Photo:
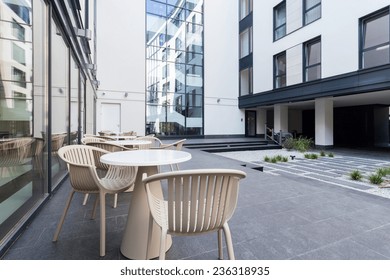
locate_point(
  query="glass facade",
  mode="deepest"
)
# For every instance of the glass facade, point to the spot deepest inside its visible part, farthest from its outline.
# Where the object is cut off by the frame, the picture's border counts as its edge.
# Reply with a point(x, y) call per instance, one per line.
point(280, 74)
point(312, 63)
point(280, 21)
point(42, 92)
point(174, 67)
point(312, 10)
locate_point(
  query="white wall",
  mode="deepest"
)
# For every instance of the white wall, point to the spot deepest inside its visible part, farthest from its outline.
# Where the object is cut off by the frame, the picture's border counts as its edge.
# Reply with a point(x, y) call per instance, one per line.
point(121, 60)
point(338, 28)
point(221, 79)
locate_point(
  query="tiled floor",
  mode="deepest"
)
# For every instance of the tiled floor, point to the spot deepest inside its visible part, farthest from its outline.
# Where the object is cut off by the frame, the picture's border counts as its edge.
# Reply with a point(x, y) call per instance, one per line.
point(278, 217)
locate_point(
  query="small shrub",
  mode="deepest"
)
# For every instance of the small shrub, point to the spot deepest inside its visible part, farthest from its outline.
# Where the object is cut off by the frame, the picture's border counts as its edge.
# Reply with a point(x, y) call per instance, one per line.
point(285, 159)
point(322, 153)
point(302, 144)
point(330, 155)
point(278, 158)
point(383, 171)
point(375, 179)
point(274, 160)
point(311, 156)
point(289, 143)
point(356, 175)
point(267, 159)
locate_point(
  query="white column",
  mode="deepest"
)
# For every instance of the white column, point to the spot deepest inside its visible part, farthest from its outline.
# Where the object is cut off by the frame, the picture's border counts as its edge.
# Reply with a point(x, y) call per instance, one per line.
point(280, 118)
point(261, 121)
point(324, 122)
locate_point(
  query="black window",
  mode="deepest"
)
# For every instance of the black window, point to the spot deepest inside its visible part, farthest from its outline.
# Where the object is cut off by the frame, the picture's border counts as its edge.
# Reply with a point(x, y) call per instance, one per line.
point(280, 70)
point(280, 21)
point(312, 10)
point(375, 39)
point(312, 60)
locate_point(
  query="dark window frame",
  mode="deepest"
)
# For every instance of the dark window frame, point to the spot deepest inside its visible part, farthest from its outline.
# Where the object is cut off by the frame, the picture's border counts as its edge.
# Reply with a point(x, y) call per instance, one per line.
point(284, 25)
point(305, 58)
point(276, 70)
point(306, 10)
point(362, 33)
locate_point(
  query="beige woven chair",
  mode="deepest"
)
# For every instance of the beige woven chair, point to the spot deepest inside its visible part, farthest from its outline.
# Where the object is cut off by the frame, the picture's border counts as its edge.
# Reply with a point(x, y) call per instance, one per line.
point(81, 161)
point(155, 142)
point(177, 145)
point(197, 201)
point(87, 140)
point(110, 148)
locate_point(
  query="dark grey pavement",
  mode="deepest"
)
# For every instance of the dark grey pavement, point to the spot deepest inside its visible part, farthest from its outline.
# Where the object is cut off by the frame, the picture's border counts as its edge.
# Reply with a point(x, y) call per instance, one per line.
point(278, 217)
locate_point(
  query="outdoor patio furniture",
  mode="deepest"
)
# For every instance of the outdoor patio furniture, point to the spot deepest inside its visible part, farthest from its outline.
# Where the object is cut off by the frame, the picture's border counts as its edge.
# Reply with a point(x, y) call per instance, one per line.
point(82, 165)
point(110, 148)
point(197, 201)
point(155, 142)
point(177, 145)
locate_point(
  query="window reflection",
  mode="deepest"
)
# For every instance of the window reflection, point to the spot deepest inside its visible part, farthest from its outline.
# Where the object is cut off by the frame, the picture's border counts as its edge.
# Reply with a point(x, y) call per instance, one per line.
point(174, 50)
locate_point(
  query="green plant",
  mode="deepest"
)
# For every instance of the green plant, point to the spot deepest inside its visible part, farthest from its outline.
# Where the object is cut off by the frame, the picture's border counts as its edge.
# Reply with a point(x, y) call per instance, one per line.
point(311, 156)
point(330, 155)
point(278, 158)
point(356, 175)
point(267, 159)
point(289, 143)
point(274, 160)
point(302, 144)
point(383, 171)
point(285, 159)
point(322, 153)
point(375, 179)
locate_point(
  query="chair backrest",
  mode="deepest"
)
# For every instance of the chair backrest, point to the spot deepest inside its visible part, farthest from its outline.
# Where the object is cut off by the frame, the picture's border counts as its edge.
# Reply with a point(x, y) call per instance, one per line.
point(15, 151)
point(178, 145)
point(82, 162)
point(197, 201)
point(86, 140)
point(108, 146)
point(155, 142)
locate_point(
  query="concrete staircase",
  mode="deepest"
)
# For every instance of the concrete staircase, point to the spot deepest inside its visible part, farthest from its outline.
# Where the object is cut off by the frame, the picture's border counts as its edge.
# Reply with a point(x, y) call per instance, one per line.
point(230, 145)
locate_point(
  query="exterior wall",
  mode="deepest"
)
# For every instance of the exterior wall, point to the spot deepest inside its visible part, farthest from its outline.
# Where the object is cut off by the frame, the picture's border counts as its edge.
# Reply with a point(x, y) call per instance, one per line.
point(338, 28)
point(221, 83)
point(121, 61)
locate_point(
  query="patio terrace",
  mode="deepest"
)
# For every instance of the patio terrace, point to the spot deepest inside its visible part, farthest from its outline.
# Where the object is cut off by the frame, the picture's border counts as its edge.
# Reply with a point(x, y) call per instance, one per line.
point(279, 216)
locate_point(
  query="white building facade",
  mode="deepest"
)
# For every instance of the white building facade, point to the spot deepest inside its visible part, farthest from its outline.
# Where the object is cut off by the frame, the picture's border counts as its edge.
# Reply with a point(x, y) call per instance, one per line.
point(235, 67)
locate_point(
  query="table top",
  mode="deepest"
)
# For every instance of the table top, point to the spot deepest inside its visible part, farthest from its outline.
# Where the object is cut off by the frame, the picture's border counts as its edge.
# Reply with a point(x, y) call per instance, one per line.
point(129, 142)
point(145, 157)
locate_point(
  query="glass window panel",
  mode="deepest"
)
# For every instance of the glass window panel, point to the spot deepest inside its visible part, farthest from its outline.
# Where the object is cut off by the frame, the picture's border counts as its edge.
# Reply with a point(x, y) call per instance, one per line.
point(313, 53)
point(376, 32)
point(280, 15)
point(19, 10)
point(156, 8)
point(313, 73)
point(376, 57)
point(311, 3)
point(244, 82)
point(245, 43)
point(156, 27)
point(15, 30)
point(313, 14)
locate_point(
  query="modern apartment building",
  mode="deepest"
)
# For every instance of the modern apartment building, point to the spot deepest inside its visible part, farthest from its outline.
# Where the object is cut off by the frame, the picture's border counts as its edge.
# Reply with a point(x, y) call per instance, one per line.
point(235, 67)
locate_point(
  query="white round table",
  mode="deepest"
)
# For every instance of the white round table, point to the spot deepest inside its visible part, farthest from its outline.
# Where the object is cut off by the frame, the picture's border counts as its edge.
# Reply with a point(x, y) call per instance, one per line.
point(129, 142)
point(135, 238)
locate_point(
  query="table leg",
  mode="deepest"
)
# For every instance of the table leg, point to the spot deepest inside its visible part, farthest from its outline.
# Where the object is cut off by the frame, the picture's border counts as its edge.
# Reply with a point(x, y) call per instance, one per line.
point(135, 238)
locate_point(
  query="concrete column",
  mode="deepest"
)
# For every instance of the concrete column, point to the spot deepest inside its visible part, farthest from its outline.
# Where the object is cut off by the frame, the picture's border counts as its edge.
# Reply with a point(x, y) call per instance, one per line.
point(324, 122)
point(280, 118)
point(261, 121)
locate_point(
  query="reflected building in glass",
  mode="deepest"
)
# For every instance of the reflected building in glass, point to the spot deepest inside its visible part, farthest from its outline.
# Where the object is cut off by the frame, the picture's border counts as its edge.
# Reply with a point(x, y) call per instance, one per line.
point(174, 67)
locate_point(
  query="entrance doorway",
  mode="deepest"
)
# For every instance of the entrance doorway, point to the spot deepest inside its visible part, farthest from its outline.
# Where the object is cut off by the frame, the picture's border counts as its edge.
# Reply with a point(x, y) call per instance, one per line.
point(250, 123)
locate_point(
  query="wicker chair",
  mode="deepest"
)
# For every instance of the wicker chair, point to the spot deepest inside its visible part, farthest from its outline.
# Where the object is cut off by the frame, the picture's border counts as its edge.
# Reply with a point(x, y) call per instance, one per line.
point(110, 148)
point(155, 142)
point(87, 140)
point(197, 201)
point(177, 145)
point(81, 161)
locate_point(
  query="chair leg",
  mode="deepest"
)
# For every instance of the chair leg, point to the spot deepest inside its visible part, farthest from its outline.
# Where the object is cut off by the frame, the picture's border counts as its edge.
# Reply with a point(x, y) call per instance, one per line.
point(59, 226)
point(163, 242)
point(229, 242)
point(85, 199)
point(149, 235)
point(115, 201)
point(93, 216)
point(220, 246)
point(102, 223)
